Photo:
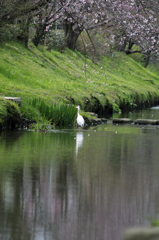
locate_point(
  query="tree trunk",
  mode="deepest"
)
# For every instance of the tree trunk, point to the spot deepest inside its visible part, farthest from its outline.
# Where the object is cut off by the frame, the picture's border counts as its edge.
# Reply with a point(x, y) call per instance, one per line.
point(147, 58)
point(71, 35)
point(121, 48)
point(130, 45)
point(24, 30)
point(40, 32)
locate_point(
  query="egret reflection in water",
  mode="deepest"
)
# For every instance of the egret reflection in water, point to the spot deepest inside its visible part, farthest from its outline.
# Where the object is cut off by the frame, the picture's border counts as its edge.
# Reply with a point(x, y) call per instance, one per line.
point(79, 141)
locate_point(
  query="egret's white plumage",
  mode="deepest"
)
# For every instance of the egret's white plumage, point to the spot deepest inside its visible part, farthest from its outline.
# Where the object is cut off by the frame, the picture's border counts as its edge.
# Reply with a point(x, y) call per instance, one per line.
point(80, 119)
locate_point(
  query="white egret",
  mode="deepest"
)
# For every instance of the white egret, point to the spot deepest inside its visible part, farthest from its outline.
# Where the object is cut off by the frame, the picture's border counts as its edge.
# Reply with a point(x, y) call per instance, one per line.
point(80, 119)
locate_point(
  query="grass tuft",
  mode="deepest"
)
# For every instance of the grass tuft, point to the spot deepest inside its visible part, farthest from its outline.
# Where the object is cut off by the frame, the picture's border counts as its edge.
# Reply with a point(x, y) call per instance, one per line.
point(57, 114)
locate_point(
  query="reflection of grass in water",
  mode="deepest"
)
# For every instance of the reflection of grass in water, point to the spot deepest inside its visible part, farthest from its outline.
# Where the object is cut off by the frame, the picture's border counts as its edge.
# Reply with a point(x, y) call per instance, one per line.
point(33, 148)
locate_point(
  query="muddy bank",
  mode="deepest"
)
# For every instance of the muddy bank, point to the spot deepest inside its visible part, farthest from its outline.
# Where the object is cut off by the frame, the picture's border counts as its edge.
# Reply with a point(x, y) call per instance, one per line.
point(123, 104)
point(11, 115)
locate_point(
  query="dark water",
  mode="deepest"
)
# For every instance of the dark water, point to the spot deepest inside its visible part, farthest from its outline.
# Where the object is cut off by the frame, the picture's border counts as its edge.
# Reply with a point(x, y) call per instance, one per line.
point(79, 185)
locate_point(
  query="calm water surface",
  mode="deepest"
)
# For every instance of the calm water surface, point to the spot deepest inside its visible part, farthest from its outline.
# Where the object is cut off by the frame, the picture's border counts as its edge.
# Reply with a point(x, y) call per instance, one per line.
point(79, 185)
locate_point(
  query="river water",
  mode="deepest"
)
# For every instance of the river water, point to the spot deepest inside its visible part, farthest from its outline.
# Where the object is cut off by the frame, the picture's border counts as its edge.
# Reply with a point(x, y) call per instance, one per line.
point(79, 185)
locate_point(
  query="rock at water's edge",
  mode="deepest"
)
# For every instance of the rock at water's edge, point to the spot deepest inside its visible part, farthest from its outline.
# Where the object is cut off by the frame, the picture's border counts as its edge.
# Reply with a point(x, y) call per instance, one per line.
point(147, 121)
point(144, 233)
point(122, 120)
point(95, 120)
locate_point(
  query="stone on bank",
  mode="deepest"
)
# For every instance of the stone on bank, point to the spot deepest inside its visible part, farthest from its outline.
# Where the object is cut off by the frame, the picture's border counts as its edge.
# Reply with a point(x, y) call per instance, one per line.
point(122, 120)
point(147, 121)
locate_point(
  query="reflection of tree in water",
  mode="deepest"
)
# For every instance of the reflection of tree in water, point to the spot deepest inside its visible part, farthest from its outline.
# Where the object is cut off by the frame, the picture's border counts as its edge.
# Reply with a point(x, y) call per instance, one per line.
point(61, 184)
point(39, 190)
point(12, 209)
point(120, 153)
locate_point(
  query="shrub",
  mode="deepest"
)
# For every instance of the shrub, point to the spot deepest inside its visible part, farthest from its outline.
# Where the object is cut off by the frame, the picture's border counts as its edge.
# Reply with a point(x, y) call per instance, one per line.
point(9, 32)
point(55, 39)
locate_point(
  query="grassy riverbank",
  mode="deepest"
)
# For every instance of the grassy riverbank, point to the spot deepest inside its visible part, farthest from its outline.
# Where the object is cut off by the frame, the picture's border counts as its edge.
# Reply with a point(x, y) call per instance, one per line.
point(111, 83)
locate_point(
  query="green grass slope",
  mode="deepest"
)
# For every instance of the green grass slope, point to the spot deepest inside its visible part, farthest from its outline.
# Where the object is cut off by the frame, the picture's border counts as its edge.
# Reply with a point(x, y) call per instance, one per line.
point(112, 82)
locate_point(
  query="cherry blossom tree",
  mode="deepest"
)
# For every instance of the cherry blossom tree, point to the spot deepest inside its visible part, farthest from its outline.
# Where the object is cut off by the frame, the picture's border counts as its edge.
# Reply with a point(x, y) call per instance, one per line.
point(45, 20)
point(133, 22)
point(82, 15)
point(138, 21)
point(22, 11)
point(12, 9)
